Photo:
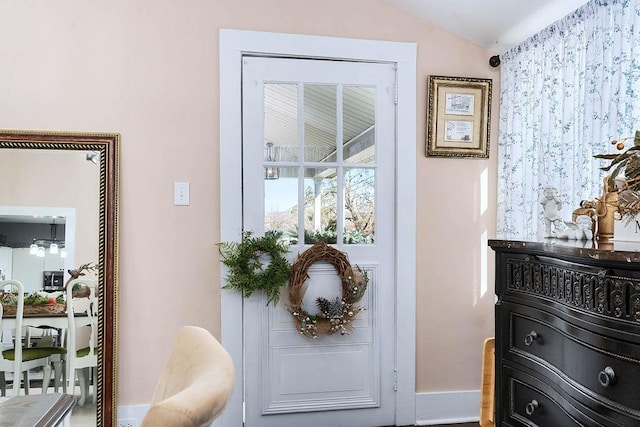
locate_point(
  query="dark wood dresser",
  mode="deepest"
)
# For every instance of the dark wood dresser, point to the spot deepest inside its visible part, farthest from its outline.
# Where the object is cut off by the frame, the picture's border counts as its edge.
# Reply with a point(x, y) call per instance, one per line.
point(567, 349)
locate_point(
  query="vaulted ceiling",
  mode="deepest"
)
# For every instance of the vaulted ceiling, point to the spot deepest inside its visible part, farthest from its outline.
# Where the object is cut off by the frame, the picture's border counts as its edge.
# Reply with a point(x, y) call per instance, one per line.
point(495, 24)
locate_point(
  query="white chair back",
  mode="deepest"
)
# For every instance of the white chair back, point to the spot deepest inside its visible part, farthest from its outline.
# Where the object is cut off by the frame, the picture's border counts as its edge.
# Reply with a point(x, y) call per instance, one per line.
point(27, 358)
point(17, 360)
point(81, 311)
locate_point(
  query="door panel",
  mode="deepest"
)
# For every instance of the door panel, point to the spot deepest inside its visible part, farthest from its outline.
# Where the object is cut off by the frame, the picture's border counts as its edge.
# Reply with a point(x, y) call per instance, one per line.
point(296, 182)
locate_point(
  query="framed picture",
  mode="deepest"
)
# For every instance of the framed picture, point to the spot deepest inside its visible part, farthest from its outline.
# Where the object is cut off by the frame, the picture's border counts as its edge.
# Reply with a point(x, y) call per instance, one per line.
point(458, 117)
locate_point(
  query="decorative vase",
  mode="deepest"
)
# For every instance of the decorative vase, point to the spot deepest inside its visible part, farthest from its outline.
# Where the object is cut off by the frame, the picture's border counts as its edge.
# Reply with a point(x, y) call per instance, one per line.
point(606, 208)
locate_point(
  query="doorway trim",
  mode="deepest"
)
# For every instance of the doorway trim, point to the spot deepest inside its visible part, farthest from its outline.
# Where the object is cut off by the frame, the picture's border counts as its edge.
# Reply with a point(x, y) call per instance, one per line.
point(233, 45)
point(51, 211)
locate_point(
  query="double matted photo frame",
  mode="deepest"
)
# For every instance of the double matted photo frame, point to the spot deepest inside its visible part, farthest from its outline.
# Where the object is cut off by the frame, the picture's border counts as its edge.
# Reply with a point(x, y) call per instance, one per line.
point(458, 117)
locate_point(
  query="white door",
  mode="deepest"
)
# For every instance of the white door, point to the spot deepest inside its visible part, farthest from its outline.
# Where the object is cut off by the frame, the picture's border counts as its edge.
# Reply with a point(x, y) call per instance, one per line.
point(318, 163)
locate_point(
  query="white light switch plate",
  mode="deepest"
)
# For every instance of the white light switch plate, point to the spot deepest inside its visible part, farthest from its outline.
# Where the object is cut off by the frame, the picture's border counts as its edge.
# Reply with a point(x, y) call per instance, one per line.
point(181, 193)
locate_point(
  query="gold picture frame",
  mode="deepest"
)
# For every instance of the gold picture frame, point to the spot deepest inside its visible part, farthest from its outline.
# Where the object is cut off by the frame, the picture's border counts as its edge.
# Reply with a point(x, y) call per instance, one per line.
point(459, 117)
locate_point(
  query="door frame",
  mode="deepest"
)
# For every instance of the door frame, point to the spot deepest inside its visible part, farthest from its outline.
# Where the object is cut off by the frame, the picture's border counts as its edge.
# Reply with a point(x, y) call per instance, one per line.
point(233, 45)
point(52, 211)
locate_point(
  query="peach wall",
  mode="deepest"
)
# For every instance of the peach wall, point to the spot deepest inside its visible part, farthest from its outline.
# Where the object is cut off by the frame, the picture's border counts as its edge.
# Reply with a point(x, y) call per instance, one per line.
point(149, 70)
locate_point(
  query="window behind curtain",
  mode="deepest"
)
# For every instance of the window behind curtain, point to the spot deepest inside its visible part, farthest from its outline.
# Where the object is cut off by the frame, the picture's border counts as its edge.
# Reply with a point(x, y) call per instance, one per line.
point(565, 94)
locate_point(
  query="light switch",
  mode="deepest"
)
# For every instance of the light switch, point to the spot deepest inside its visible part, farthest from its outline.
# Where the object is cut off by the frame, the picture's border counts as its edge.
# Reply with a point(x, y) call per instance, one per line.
point(181, 193)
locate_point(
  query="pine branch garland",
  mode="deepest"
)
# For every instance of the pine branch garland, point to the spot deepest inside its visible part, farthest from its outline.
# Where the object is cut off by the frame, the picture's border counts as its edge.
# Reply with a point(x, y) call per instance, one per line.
point(247, 273)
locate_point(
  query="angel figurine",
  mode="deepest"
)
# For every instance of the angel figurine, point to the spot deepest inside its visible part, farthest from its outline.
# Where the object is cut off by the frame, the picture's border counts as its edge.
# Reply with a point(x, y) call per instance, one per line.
point(578, 230)
point(551, 206)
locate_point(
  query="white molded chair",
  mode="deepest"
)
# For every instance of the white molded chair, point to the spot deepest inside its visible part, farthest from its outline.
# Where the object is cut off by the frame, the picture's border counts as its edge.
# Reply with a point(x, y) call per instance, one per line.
point(195, 383)
point(19, 360)
point(85, 358)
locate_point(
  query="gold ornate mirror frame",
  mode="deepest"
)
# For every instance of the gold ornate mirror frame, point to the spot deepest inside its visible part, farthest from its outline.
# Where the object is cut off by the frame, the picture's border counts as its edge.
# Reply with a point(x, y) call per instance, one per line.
point(106, 145)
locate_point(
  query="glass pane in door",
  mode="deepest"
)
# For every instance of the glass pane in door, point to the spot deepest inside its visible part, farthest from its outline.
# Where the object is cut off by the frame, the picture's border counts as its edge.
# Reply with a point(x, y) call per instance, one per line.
point(359, 205)
point(320, 203)
point(281, 204)
point(327, 113)
point(358, 118)
point(320, 123)
point(281, 120)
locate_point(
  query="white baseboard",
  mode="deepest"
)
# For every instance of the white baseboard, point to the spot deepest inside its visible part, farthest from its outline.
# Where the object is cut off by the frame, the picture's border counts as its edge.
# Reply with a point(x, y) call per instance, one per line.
point(132, 412)
point(137, 413)
point(431, 408)
point(447, 407)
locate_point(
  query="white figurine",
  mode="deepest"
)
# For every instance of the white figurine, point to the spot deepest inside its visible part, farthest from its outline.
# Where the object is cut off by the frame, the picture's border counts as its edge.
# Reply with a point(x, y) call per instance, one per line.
point(579, 230)
point(551, 205)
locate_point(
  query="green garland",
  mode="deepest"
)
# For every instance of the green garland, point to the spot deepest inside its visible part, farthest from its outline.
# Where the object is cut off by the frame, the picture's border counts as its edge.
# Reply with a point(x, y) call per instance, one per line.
point(247, 274)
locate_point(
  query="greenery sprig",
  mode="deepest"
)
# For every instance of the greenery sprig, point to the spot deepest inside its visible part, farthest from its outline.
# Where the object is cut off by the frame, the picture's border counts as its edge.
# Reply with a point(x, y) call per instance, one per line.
point(247, 273)
point(626, 162)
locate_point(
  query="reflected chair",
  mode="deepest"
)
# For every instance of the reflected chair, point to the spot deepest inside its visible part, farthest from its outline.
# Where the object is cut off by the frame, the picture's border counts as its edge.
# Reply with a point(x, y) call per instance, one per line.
point(50, 336)
point(82, 314)
point(195, 383)
point(19, 360)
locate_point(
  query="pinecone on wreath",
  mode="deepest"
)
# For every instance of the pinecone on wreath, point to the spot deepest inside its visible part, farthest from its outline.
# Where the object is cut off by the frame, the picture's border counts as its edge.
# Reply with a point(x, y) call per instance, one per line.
point(330, 309)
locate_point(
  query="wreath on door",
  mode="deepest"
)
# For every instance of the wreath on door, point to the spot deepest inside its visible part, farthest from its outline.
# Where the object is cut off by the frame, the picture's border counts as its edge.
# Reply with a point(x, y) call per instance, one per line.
point(334, 315)
point(247, 271)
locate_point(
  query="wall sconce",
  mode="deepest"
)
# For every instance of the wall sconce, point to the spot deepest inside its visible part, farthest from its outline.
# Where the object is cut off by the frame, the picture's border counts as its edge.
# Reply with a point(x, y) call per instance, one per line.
point(271, 172)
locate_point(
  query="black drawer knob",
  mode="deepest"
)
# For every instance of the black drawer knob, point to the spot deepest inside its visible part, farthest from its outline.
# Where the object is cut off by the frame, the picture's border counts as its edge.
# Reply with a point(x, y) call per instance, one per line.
point(531, 407)
point(607, 376)
point(530, 338)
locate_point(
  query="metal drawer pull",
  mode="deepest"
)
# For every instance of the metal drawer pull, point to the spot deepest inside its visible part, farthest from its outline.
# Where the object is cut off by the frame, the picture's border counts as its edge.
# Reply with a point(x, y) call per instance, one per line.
point(607, 376)
point(531, 407)
point(530, 338)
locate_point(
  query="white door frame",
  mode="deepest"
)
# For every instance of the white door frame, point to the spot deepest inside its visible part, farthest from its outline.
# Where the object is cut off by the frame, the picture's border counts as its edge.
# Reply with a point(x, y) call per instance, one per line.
point(235, 43)
point(52, 211)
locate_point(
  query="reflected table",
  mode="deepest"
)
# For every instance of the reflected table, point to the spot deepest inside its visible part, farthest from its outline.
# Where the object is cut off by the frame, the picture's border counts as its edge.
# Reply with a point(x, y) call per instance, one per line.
point(36, 410)
point(55, 320)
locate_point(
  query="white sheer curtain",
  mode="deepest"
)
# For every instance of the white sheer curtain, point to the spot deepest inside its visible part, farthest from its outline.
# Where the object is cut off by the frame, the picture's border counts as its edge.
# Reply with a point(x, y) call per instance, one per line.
point(565, 94)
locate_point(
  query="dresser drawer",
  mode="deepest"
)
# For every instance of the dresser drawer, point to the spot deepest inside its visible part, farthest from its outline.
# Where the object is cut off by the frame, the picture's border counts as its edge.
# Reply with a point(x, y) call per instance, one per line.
point(586, 362)
point(567, 339)
point(532, 402)
point(610, 295)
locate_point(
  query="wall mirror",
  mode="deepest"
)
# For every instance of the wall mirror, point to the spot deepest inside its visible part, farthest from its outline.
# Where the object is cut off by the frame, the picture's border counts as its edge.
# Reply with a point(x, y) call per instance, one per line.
point(65, 183)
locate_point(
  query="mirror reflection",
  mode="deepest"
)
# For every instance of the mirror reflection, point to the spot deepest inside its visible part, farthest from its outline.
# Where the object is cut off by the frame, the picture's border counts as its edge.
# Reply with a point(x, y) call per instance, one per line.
point(57, 225)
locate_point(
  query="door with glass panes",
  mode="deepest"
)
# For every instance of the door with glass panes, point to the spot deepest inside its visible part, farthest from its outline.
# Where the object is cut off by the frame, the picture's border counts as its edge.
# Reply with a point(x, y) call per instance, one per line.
point(318, 164)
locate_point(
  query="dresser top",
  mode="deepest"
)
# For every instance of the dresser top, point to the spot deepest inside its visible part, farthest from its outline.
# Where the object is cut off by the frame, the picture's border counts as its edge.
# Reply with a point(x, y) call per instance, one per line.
point(611, 250)
point(38, 410)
